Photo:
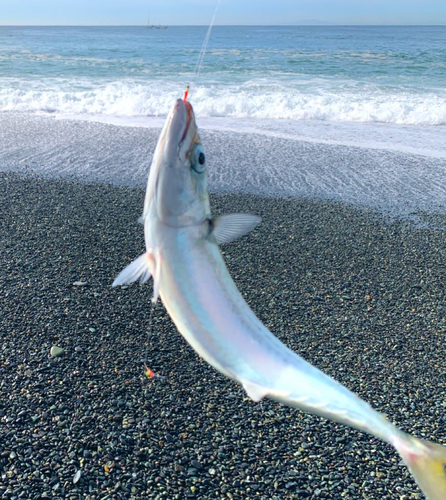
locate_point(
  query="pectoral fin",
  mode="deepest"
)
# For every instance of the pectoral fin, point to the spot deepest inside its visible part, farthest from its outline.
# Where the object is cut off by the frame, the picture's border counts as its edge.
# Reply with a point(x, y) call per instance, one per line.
point(227, 228)
point(142, 268)
point(138, 269)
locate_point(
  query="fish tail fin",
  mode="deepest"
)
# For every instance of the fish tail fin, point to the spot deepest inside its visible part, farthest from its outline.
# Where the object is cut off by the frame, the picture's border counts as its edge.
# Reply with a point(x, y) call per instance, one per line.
point(427, 462)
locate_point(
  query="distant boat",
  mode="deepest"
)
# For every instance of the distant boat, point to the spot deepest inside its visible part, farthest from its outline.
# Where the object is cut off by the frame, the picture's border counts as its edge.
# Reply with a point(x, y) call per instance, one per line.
point(154, 26)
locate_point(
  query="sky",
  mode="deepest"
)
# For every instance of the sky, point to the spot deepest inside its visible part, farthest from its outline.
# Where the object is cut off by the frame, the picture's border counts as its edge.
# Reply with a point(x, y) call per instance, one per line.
point(193, 12)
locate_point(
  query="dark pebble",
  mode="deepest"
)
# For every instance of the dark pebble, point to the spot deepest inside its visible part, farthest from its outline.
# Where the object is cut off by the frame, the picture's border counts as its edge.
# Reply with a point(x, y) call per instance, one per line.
point(358, 295)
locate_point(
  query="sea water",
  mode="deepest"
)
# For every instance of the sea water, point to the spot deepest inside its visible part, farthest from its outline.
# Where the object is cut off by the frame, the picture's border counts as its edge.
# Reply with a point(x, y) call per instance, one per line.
point(377, 88)
point(290, 80)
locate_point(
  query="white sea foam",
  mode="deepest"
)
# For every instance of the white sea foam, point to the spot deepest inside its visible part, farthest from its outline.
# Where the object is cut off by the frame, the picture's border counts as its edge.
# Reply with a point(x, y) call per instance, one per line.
point(400, 184)
point(346, 113)
point(314, 99)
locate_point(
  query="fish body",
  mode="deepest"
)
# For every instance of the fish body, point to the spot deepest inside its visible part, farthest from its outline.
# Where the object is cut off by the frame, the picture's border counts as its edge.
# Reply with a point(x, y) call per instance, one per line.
point(210, 312)
point(183, 256)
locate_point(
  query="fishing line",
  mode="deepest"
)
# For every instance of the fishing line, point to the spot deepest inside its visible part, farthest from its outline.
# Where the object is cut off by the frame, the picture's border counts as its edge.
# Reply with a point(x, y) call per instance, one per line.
point(202, 53)
point(147, 371)
point(152, 309)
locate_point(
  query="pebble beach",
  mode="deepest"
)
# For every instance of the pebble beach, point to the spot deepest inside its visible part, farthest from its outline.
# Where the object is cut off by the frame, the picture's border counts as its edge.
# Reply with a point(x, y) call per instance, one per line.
point(334, 135)
point(357, 293)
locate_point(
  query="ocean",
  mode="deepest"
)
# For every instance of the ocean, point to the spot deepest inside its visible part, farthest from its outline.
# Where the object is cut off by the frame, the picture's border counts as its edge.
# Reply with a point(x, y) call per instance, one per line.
point(292, 80)
point(377, 88)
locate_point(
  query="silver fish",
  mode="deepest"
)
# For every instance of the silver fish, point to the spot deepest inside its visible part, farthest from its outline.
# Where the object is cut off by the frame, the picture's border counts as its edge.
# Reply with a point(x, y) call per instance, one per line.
point(183, 256)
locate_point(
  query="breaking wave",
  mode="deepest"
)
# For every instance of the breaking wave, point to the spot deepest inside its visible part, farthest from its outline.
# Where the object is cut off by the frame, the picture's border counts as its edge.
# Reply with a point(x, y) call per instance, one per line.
point(316, 99)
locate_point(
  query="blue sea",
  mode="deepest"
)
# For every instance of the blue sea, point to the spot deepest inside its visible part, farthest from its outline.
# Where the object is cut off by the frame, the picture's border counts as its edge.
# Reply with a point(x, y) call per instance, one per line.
point(380, 86)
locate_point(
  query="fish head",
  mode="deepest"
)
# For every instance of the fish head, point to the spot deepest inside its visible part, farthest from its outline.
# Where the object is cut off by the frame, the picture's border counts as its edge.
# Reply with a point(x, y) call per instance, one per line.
point(177, 189)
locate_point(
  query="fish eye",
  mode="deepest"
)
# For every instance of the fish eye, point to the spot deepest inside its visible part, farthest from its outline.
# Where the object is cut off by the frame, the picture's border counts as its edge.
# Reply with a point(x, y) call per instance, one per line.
point(198, 160)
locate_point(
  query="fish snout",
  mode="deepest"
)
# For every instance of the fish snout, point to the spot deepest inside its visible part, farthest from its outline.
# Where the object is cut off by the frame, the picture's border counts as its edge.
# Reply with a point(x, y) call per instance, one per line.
point(177, 137)
point(178, 122)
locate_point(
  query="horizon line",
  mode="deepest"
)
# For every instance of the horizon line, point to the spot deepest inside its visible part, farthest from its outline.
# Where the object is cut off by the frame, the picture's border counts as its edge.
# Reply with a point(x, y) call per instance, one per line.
point(221, 25)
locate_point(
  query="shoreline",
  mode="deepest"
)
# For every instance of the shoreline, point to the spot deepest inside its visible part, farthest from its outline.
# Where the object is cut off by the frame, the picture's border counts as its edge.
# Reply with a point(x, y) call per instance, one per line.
point(356, 294)
point(394, 183)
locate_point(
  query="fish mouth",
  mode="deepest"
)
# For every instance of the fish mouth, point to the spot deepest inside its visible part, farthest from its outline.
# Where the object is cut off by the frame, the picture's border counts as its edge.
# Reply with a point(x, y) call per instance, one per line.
point(189, 113)
point(180, 131)
point(180, 121)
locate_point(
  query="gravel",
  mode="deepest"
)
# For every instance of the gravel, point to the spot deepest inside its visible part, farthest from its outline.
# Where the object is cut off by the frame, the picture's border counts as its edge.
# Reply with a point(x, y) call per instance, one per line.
point(358, 295)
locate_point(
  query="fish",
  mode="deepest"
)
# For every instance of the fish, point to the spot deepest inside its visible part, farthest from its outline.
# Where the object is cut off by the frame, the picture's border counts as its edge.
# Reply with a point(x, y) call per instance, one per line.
point(183, 257)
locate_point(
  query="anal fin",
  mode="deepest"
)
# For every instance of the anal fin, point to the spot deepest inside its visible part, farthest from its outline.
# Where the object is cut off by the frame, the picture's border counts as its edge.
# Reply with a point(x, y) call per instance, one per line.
point(254, 391)
point(156, 279)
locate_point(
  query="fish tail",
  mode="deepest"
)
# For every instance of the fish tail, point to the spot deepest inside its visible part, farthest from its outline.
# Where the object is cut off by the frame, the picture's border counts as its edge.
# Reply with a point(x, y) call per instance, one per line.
point(427, 462)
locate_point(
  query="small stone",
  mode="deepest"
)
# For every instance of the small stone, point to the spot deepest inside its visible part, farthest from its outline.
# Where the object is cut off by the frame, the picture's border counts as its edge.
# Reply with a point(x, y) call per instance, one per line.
point(55, 351)
point(80, 283)
point(12, 455)
point(77, 476)
point(302, 493)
